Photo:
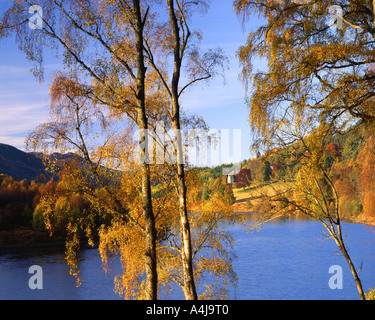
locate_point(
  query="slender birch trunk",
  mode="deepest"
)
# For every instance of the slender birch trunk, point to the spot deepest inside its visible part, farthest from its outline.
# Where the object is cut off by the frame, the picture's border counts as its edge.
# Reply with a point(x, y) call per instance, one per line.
point(186, 246)
point(150, 245)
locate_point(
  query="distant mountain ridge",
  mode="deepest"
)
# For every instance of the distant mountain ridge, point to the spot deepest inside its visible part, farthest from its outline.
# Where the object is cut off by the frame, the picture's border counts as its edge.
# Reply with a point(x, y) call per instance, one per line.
point(19, 164)
point(29, 165)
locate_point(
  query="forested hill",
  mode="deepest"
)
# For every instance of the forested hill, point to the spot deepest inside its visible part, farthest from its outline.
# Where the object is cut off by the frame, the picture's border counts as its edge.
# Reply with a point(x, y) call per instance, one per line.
point(349, 160)
point(19, 164)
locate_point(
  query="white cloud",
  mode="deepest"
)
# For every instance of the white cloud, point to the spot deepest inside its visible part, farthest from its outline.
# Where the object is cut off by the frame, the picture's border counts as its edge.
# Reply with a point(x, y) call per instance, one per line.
point(18, 142)
point(17, 121)
point(22, 104)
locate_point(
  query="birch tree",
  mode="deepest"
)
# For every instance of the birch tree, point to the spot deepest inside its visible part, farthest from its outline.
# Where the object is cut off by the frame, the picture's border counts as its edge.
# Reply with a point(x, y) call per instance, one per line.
point(315, 58)
point(118, 53)
point(317, 81)
point(104, 42)
point(200, 67)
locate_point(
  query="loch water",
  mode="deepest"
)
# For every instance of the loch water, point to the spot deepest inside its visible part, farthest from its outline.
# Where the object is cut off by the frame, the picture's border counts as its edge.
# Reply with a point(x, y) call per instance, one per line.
point(285, 259)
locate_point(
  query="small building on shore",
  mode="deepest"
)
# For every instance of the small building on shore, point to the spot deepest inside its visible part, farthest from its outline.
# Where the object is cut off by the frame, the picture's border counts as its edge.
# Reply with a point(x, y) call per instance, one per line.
point(231, 173)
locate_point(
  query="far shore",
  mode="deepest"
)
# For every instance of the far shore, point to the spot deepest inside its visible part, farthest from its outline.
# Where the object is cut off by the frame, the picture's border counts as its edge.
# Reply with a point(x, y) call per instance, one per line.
point(24, 236)
point(249, 201)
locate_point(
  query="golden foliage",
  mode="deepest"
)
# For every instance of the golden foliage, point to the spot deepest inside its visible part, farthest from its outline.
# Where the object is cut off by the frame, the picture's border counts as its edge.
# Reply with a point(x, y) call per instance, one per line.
point(304, 64)
point(370, 295)
point(117, 60)
point(366, 162)
point(126, 242)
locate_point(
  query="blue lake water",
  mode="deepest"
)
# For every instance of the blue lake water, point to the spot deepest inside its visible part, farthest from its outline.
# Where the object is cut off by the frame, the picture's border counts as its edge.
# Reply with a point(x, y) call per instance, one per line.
point(286, 259)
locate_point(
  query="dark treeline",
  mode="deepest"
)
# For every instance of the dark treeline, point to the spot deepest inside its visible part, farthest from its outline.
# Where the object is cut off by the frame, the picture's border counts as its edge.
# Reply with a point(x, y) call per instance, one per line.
point(22, 208)
point(18, 200)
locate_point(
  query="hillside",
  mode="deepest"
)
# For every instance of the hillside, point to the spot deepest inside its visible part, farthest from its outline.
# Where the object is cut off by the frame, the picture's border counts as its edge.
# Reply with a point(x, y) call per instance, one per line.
point(348, 159)
point(19, 164)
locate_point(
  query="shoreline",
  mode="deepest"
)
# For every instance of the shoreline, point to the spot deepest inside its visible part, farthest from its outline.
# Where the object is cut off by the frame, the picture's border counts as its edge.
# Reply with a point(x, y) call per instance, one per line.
point(369, 221)
point(26, 237)
point(249, 201)
point(22, 236)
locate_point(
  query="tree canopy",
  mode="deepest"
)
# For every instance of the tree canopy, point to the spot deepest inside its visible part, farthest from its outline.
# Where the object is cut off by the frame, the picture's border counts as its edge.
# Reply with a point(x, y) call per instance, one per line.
point(124, 61)
point(315, 69)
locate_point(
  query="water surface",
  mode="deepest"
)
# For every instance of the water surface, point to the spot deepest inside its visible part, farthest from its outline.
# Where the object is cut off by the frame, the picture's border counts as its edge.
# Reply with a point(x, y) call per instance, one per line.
point(286, 259)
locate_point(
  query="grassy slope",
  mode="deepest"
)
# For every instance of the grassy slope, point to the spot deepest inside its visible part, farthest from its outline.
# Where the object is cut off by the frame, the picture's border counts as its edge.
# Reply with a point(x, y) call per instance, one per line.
point(252, 195)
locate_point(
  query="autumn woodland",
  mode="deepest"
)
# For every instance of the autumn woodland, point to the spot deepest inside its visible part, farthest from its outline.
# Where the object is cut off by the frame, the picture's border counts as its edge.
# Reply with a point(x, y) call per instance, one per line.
point(126, 67)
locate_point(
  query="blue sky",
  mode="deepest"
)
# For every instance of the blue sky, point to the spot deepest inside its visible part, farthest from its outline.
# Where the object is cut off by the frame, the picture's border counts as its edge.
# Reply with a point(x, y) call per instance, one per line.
point(23, 100)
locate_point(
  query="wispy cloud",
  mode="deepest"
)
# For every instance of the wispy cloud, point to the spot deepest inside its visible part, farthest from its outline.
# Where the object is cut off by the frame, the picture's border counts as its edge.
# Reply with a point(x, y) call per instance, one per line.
point(18, 142)
point(17, 121)
point(22, 104)
point(11, 70)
